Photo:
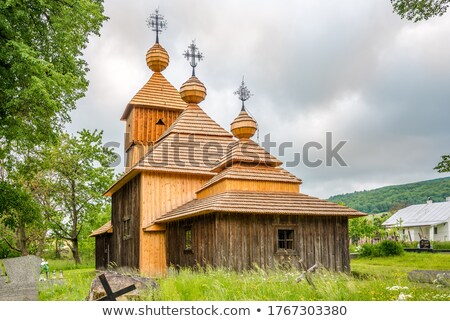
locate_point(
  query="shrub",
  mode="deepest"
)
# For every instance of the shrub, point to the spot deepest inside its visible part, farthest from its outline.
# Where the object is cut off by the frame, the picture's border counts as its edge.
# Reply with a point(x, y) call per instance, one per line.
point(441, 245)
point(385, 248)
point(369, 250)
point(390, 248)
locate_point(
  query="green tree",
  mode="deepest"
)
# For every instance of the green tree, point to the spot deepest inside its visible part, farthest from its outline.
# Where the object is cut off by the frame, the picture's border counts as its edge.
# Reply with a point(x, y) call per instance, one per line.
point(71, 189)
point(42, 75)
point(20, 212)
point(41, 66)
point(418, 10)
point(444, 164)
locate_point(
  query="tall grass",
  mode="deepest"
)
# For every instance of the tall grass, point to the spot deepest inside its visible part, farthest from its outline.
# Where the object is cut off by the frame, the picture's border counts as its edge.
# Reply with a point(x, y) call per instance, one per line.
point(74, 287)
point(370, 280)
point(69, 264)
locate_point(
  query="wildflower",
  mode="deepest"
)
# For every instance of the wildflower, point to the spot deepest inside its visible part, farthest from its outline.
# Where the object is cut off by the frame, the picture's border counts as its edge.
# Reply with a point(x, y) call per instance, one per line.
point(404, 297)
point(397, 288)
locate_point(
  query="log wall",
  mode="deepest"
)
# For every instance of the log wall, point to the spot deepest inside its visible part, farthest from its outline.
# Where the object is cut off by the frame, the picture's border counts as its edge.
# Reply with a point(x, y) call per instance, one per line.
point(102, 251)
point(240, 241)
point(126, 205)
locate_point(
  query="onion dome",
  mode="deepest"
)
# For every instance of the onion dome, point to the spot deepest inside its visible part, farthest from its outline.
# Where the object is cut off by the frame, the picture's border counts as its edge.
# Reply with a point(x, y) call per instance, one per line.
point(243, 126)
point(193, 91)
point(157, 58)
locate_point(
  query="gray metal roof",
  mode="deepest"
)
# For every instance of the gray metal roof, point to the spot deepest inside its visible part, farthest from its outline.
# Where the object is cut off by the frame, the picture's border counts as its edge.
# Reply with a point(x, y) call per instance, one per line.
point(421, 214)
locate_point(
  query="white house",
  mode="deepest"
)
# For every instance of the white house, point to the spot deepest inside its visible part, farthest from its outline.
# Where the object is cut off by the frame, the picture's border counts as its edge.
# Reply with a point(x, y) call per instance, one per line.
point(429, 221)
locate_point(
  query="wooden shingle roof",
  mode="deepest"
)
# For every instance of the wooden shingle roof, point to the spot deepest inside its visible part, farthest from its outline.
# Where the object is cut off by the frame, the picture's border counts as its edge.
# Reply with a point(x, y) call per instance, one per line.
point(259, 173)
point(246, 151)
point(106, 228)
point(185, 153)
point(193, 120)
point(194, 144)
point(246, 202)
point(156, 93)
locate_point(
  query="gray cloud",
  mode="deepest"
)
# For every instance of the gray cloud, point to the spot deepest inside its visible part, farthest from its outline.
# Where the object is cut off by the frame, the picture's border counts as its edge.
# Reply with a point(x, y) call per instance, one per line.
point(350, 67)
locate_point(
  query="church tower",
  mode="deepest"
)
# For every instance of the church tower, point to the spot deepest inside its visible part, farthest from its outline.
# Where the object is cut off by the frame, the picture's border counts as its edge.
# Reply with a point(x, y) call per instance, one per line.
point(155, 106)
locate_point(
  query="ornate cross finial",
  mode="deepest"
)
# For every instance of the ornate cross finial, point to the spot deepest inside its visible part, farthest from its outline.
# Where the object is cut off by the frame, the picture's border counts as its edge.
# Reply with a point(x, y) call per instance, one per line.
point(157, 22)
point(243, 93)
point(192, 53)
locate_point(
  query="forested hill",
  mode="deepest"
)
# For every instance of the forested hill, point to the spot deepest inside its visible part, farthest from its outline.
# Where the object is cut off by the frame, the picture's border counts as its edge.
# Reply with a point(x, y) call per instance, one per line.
point(397, 196)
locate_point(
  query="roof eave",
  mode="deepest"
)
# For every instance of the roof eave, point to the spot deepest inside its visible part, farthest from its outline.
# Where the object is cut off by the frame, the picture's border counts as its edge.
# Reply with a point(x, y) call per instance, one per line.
point(131, 105)
point(122, 181)
point(215, 210)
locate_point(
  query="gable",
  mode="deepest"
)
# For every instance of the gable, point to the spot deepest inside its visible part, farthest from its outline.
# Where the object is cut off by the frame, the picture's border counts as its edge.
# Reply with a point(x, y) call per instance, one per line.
point(158, 92)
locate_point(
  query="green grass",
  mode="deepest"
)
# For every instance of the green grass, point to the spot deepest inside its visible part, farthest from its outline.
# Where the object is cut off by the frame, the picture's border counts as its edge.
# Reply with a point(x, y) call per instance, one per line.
point(69, 264)
point(369, 281)
point(75, 286)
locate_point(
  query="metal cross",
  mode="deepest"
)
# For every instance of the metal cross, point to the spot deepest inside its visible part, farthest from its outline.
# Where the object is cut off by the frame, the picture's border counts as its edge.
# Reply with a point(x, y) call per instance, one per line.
point(110, 295)
point(157, 22)
point(243, 93)
point(192, 53)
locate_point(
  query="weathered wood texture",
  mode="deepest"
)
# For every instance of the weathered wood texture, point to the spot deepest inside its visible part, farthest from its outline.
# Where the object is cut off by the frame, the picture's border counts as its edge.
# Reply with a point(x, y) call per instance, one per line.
point(160, 193)
point(102, 251)
point(242, 241)
point(126, 211)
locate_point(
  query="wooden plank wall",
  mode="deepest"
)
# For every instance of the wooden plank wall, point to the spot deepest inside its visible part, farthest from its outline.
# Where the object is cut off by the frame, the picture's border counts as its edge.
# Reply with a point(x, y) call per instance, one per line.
point(141, 130)
point(160, 193)
point(203, 242)
point(246, 185)
point(240, 241)
point(102, 245)
point(164, 191)
point(143, 126)
point(126, 203)
point(153, 254)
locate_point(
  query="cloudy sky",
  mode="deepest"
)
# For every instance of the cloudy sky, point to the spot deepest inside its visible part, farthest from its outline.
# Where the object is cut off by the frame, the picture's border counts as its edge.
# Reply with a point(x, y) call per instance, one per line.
point(352, 68)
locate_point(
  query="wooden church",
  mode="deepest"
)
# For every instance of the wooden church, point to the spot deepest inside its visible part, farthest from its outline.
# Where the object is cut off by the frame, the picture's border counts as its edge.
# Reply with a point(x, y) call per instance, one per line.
point(195, 194)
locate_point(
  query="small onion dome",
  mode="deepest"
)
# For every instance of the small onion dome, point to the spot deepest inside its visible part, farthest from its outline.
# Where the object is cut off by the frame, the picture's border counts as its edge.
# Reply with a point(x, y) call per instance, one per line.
point(193, 91)
point(244, 126)
point(157, 58)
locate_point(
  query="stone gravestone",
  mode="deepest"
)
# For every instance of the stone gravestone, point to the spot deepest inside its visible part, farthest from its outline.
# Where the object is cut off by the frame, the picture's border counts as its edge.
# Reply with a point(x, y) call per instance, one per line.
point(21, 281)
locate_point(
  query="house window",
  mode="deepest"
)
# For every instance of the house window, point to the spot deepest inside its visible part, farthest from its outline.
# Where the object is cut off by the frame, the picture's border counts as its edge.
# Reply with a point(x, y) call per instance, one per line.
point(435, 230)
point(285, 239)
point(126, 228)
point(188, 239)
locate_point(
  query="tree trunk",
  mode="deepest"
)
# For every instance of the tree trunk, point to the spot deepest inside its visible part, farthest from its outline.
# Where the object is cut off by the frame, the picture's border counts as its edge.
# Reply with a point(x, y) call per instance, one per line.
point(74, 248)
point(22, 240)
point(57, 250)
point(75, 251)
point(41, 243)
